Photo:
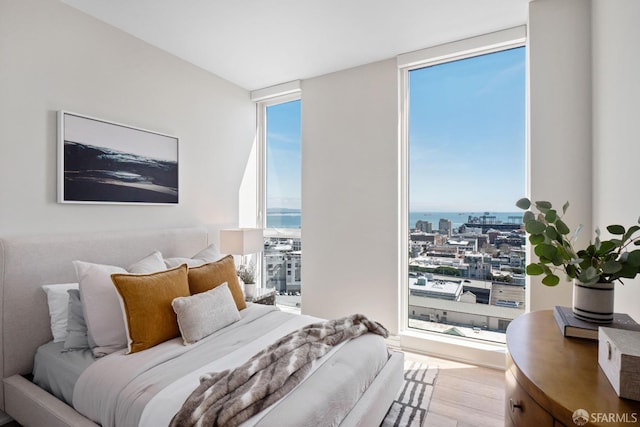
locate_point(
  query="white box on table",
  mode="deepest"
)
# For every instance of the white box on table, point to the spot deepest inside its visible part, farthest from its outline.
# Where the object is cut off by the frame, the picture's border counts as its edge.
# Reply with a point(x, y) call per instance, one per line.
point(619, 358)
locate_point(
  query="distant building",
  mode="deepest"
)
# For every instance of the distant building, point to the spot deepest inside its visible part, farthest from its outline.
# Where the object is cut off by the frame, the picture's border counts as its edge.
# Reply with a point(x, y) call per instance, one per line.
point(436, 288)
point(421, 236)
point(282, 263)
point(424, 226)
point(508, 295)
point(294, 266)
point(468, 297)
point(444, 226)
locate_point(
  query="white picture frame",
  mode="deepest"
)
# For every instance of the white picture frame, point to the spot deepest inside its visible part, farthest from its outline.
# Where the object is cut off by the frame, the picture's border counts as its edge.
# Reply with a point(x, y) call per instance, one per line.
point(106, 162)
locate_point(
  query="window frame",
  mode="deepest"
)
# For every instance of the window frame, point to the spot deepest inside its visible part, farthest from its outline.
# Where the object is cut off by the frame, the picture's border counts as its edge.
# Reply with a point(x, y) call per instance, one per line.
point(264, 98)
point(261, 115)
point(458, 348)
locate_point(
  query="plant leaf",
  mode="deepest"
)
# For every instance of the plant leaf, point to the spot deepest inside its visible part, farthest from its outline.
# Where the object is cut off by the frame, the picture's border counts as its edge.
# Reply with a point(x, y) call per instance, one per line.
point(534, 270)
point(535, 227)
point(611, 267)
point(562, 227)
point(536, 239)
point(634, 258)
point(575, 233)
point(551, 215)
point(549, 251)
point(528, 216)
point(543, 206)
point(551, 280)
point(523, 203)
point(606, 246)
point(616, 229)
point(566, 206)
point(551, 232)
point(630, 232)
point(628, 272)
point(557, 260)
point(588, 275)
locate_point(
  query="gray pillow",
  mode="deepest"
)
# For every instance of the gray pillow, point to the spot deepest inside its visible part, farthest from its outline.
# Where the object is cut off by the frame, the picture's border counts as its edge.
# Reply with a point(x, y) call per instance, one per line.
point(77, 338)
point(101, 302)
point(202, 314)
point(208, 254)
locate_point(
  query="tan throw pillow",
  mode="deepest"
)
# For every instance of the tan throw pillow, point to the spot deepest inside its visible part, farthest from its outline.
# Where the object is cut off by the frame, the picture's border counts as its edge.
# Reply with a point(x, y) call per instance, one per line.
point(213, 274)
point(146, 304)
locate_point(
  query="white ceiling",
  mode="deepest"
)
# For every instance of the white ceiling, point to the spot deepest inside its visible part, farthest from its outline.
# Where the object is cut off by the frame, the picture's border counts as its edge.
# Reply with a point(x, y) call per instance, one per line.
point(260, 43)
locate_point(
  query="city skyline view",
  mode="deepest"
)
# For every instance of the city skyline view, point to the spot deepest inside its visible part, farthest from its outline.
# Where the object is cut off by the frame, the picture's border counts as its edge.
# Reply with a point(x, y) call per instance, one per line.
point(466, 170)
point(466, 167)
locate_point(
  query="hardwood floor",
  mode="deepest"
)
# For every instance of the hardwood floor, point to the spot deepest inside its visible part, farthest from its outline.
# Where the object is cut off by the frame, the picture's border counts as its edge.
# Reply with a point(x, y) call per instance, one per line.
point(464, 395)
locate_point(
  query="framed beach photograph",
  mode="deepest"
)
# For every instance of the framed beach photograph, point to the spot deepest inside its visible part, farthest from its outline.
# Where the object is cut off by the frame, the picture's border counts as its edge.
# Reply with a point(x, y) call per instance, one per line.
point(106, 162)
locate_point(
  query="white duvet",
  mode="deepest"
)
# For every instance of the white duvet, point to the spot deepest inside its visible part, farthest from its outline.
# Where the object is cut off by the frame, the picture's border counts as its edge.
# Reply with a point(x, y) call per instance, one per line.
point(147, 388)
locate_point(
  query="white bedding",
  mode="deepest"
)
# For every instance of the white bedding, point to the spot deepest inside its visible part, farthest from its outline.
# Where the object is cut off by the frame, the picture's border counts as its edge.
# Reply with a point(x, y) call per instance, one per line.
point(148, 388)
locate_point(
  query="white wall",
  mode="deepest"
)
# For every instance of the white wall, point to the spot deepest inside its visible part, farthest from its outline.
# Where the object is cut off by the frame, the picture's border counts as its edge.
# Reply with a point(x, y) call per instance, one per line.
point(350, 193)
point(559, 145)
point(54, 57)
point(350, 181)
point(616, 91)
point(584, 92)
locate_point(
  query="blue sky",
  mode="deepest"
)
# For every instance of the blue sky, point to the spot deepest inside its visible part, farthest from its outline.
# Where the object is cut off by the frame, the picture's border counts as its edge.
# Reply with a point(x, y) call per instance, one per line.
point(283, 155)
point(467, 134)
point(466, 138)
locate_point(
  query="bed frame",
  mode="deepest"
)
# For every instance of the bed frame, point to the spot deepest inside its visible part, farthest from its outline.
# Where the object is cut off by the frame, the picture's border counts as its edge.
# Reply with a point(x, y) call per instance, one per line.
point(27, 263)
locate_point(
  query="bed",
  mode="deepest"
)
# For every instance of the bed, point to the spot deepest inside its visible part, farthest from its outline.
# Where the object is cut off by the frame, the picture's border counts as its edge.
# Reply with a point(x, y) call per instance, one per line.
point(27, 263)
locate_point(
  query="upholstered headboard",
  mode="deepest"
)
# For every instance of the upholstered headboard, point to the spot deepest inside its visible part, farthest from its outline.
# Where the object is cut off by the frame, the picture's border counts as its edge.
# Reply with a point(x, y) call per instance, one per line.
point(27, 263)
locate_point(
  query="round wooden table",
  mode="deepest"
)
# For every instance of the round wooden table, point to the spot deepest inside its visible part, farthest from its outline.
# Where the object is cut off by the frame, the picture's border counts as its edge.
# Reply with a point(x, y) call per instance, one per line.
point(549, 377)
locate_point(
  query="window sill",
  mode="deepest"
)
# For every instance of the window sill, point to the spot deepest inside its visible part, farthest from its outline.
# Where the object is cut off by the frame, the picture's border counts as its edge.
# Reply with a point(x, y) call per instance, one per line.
point(481, 353)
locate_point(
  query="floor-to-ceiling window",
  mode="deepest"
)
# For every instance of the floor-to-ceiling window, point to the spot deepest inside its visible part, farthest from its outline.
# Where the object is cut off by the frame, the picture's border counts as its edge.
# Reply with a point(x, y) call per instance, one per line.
point(282, 213)
point(464, 129)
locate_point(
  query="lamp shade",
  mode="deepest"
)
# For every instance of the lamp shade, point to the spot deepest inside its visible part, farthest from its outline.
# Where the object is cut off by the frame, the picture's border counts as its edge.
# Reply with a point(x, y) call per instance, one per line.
point(241, 241)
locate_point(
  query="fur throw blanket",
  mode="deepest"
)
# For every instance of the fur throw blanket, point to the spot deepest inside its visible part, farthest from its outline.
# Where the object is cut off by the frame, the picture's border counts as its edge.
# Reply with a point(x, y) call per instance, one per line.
point(230, 397)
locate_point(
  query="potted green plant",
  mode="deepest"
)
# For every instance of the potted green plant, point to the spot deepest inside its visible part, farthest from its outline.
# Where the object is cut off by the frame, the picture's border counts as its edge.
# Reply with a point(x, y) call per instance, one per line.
point(247, 273)
point(594, 269)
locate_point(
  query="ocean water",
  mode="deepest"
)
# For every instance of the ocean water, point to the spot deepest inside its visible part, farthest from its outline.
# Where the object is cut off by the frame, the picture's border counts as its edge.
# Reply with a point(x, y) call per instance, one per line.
point(283, 220)
point(459, 218)
point(293, 220)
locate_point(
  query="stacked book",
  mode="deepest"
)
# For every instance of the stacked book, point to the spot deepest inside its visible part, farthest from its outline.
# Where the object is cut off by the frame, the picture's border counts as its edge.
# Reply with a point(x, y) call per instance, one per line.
point(571, 326)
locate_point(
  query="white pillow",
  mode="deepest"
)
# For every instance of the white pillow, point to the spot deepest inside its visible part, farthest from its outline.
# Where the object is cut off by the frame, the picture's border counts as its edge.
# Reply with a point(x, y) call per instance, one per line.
point(58, 301)
point(202, 314)
point(101, 303)
point(208, 254)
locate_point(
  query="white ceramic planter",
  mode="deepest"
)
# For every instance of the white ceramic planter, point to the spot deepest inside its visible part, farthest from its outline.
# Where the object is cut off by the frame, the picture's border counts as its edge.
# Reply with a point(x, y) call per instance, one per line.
point(593, 303)
point(249, 290)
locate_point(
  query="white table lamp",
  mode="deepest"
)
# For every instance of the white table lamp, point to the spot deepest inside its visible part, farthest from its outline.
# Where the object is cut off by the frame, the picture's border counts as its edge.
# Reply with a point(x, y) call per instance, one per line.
point(243, 241)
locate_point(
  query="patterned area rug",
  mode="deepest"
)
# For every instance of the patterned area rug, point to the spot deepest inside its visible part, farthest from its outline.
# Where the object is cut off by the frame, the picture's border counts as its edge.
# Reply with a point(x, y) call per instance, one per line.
point(411, 405)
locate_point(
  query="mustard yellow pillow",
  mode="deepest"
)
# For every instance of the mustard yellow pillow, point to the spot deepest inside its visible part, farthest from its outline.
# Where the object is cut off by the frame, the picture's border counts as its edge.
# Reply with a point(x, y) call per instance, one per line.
point(214, 274)
point(146, 302)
